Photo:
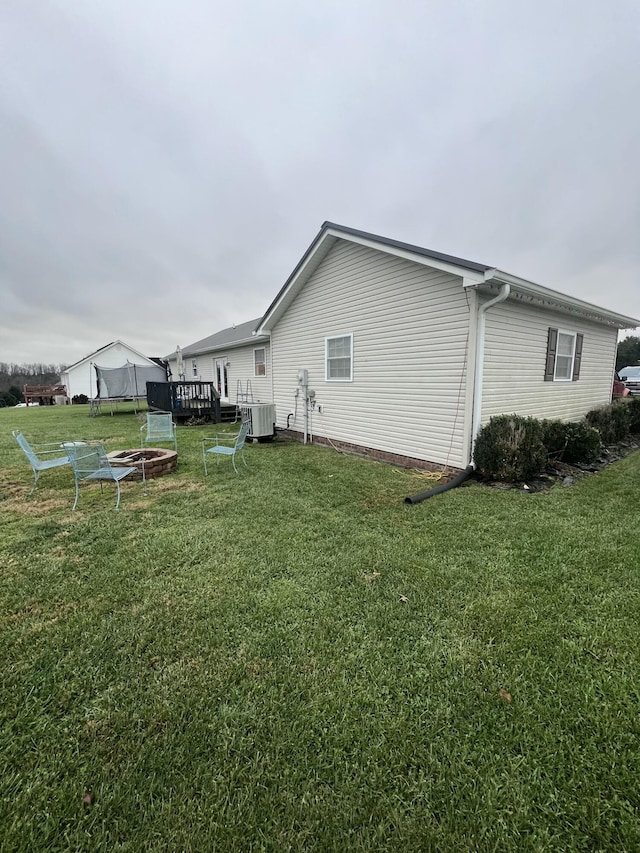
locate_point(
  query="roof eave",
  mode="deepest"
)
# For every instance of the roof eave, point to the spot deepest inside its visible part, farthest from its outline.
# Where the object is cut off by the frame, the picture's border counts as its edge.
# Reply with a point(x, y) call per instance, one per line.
point(102, 349)
point(545, 297)
point(229, 345)
point(332, 232)
point(209, 343)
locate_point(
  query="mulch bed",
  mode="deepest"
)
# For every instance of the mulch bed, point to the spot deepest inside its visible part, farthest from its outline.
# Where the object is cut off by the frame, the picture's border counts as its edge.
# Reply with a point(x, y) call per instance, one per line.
point(560, 473)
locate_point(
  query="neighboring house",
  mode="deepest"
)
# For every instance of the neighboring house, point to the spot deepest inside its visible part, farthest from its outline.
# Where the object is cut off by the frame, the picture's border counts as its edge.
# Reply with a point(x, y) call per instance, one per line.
point(234, 359)
point(409, 351)
point(80, 378)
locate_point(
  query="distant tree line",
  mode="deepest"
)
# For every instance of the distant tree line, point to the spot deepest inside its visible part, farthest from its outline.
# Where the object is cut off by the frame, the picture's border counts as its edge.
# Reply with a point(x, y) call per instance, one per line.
point(628, 353)
point(13, 378)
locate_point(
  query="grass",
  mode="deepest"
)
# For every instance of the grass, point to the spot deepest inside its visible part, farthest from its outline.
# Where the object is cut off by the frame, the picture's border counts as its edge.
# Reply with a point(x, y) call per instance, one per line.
point(292, 659)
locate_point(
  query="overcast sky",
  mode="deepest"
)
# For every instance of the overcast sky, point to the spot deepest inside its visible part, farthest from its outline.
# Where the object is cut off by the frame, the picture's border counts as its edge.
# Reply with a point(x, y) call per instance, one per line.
point(164, 164)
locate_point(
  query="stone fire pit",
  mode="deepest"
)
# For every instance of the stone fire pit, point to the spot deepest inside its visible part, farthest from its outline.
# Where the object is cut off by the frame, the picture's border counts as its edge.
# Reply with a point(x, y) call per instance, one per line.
point(157, 461)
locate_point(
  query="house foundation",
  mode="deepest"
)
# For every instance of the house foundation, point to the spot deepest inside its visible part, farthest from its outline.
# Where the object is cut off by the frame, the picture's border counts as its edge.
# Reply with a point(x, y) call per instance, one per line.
point(373, 453)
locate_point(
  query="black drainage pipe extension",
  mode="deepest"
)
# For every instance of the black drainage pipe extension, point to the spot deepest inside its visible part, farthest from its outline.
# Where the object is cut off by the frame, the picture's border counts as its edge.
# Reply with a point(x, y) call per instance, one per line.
point(437, 490)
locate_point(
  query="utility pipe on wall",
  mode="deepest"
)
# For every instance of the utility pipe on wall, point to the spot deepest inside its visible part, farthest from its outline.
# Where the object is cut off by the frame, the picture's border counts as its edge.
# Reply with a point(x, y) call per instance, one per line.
point(303, 382)
point(306, 418)
point(477, 385)
point(477, 400)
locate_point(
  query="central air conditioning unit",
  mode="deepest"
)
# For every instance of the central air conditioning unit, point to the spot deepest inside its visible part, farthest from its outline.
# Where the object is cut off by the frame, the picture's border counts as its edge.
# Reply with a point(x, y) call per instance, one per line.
point(262, 419)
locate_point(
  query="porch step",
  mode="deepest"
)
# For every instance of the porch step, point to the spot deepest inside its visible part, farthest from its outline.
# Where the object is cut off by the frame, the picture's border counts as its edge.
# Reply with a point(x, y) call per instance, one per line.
point(227, 412)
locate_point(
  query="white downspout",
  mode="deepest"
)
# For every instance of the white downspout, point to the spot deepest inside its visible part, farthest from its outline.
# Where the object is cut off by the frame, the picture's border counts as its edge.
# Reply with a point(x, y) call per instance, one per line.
point(477, 385)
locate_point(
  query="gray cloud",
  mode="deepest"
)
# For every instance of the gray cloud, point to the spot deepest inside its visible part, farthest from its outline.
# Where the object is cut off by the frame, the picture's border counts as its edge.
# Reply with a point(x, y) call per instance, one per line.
point(165, 165)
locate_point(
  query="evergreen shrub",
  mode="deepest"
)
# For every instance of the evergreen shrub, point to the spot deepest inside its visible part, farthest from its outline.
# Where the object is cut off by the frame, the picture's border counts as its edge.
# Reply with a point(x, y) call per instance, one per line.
point(612, 422)
point(633, 407)
point(571, 442)
point(554, 438)
point(510, 448)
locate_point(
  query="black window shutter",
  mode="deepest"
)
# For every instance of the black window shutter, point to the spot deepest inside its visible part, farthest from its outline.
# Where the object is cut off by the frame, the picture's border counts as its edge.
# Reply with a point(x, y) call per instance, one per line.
point(577, 359)
point(552, 345)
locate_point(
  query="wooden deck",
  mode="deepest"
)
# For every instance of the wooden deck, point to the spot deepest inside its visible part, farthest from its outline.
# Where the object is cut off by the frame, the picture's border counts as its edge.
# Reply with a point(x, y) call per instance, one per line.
point(44, 395)
point(185, 400)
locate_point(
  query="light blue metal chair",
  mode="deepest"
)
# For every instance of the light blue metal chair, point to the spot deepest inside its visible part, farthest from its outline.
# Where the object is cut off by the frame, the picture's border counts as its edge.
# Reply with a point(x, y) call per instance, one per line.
point(160, 428)
point(41, 459)
point(220, 448)
point(90, 462)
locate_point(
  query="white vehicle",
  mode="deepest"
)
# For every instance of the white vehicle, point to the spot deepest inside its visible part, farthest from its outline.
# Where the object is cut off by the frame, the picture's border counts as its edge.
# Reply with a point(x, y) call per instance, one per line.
point(631, 378)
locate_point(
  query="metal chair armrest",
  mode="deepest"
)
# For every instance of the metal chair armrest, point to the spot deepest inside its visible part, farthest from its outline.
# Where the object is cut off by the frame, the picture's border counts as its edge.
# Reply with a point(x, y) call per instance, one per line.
point(46, 444)
point(59, 452)
point(39, 449)
point(220, 437)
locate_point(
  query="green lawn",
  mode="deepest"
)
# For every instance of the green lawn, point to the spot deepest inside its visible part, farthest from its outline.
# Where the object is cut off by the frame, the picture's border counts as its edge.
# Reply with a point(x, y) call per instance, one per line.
point(229, 664)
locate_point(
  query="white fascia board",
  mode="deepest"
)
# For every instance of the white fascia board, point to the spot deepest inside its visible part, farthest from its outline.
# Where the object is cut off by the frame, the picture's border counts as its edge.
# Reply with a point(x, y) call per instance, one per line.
point(312, 261)
point(146, 358)
point(403, 253)
point(545, 297)
point(297, 281)
point(96, 353)
point(88, 358)
point(471, 279)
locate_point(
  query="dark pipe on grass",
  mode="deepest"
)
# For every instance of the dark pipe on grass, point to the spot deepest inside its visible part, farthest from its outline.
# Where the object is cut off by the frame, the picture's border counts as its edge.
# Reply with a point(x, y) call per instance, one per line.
point(437, 490)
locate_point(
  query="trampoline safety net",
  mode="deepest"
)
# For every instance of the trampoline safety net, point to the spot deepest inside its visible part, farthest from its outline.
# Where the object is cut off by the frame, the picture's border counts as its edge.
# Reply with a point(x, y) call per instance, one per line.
point(130, 380)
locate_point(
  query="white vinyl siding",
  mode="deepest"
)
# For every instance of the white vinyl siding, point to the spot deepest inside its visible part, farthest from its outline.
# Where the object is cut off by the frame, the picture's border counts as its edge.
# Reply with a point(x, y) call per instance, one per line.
point(241, 361)
point(205, 369)
point(197, 368)
point(241, 369)
point(409, 325)
point(514, 367)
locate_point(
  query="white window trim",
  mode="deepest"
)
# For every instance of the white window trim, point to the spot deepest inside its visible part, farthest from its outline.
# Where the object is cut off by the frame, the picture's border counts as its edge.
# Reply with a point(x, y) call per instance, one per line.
point(328, 378)
point(194, 368)
point(255, 365)
point(569, 378)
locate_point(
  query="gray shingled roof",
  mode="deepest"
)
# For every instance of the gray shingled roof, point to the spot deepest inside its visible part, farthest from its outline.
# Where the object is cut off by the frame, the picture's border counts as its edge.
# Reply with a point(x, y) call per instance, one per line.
point(383, 241)
point(91, 354)
point(233, 336)
point(105, 347)
point(236, 335)
point(408, 247)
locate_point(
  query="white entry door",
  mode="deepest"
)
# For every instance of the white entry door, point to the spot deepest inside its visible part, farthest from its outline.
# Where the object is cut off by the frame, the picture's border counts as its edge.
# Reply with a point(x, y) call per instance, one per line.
point(221, 379)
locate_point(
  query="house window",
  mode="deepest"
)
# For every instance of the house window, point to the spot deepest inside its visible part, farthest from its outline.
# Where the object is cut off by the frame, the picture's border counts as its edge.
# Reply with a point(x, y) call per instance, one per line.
point(260, 362)
point(339, 358)
point(564, 356)
point(194, 367)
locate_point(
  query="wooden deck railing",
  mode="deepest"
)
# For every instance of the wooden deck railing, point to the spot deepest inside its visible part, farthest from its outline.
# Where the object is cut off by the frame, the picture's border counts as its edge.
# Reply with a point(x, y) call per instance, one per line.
point(44, 393)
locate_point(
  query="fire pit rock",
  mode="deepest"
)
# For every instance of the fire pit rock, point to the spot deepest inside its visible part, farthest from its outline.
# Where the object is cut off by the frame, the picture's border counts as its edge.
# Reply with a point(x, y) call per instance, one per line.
point(157, 461)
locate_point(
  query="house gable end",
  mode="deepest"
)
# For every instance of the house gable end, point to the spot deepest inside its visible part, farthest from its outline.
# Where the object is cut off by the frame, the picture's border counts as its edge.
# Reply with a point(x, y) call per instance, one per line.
point(331, 235)
point(372, 330)
point(473, 274)
point(96, 354)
